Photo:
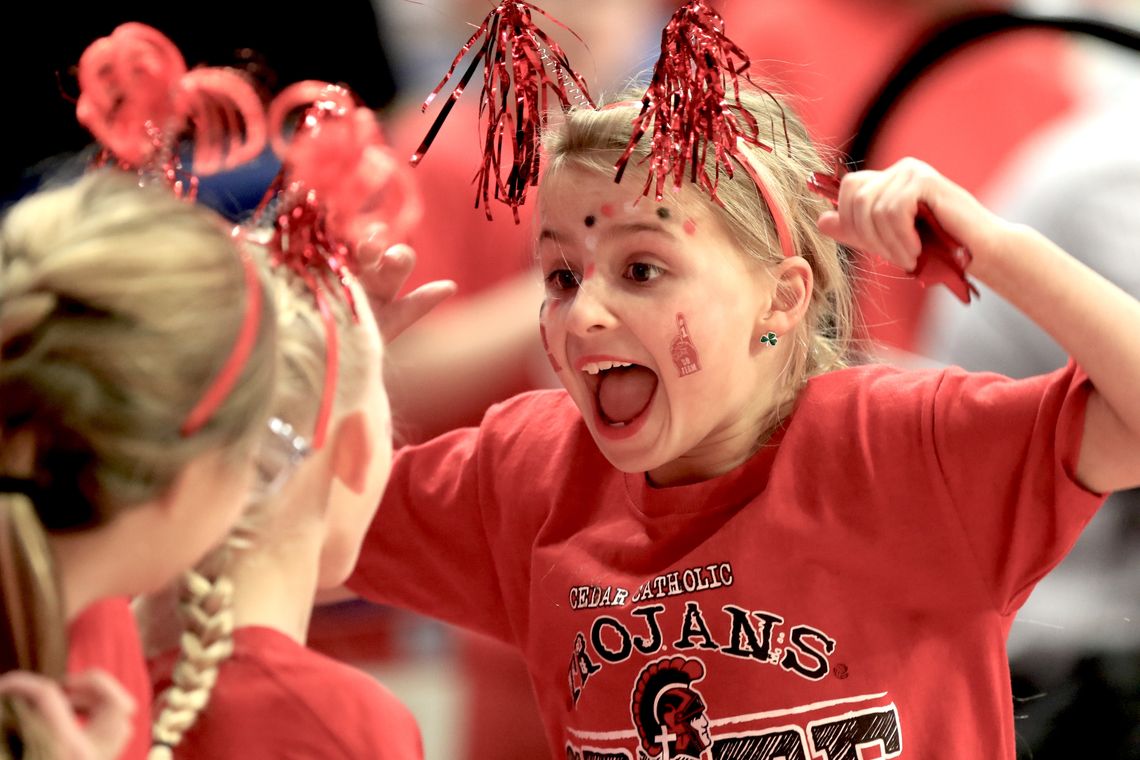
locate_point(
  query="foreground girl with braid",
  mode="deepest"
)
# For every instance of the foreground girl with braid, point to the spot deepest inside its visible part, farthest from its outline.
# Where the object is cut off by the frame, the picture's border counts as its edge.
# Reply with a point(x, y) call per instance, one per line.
point(136, 364)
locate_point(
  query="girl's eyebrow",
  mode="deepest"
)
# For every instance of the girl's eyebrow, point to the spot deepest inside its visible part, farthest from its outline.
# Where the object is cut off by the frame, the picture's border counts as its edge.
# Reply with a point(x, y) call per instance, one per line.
point(627, 228)
point(642, 226)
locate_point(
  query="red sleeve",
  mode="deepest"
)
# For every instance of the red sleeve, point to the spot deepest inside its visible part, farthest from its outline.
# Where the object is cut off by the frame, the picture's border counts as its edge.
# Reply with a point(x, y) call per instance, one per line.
point(455, 532)
point(105, 636)
point(427, 549)
point(1007, 452)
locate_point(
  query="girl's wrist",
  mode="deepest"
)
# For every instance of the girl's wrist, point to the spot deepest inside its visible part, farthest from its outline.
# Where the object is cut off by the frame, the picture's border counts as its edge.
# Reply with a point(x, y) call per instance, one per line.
point(996, 250)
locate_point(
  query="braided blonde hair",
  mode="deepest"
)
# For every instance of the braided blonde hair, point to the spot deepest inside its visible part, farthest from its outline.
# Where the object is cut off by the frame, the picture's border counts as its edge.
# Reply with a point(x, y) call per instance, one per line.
point(118, 305)
point(206, 592)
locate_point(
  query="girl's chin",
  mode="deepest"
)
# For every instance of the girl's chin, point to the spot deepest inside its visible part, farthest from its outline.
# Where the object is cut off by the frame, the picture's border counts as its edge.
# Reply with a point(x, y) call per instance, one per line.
point(626, 458)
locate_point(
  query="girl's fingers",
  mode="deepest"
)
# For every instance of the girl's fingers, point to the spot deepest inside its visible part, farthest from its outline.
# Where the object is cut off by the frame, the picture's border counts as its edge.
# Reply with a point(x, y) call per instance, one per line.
point(400, 314)
point(46, 698)
point(109, 709)
point(384, 280)
point(856, 197)
point(894, 216)
point(876, 214)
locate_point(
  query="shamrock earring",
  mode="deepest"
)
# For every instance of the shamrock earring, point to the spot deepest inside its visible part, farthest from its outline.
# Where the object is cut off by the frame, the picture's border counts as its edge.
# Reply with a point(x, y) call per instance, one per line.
point(770, 339)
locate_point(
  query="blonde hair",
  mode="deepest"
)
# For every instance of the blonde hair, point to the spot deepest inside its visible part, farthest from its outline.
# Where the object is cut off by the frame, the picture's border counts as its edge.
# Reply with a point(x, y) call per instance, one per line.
point(206, 592)
point(594, 139)
point(118, 306)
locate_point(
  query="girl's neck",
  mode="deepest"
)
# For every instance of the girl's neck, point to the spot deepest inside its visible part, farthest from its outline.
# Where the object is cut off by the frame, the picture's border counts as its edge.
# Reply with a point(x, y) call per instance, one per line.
point(275, 582)
point(92, 566)
point(80, 588)
point(724, 450)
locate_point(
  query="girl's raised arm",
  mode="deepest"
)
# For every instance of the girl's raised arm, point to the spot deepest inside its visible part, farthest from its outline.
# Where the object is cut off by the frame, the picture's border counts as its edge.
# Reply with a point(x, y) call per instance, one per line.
point(1092, 319)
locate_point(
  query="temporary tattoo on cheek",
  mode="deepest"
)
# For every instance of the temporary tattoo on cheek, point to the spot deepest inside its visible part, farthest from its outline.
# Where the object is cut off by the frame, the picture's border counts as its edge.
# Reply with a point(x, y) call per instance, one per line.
point(607, 210)
point(591, 220)
point(663, 213)
point(690, 227)
point(684, 351)
point(554, 365)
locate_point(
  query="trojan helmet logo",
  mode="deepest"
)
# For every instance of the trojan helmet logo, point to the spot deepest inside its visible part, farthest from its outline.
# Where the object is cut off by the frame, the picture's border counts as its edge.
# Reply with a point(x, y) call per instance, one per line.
point(669, 713)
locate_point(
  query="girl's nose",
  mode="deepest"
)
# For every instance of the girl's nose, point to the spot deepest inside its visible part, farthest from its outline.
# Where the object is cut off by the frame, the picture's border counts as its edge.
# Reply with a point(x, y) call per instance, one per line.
point(589, 312)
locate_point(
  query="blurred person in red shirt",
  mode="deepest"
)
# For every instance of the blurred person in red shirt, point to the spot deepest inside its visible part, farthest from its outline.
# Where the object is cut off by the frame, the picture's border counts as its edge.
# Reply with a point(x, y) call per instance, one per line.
point(832, 56)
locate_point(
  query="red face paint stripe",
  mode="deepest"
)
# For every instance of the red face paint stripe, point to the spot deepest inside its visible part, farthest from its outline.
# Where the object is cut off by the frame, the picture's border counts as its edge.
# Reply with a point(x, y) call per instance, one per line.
point(546, 345)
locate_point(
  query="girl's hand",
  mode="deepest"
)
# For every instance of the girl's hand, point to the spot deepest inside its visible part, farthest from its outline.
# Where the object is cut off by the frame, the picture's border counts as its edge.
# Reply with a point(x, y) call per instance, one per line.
point(383, 273)
point(877, 212)
point(94, 694)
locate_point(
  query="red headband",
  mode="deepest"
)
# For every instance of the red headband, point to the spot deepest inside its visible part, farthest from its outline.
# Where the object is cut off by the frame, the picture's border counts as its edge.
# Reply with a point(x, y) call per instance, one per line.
point(239, 354)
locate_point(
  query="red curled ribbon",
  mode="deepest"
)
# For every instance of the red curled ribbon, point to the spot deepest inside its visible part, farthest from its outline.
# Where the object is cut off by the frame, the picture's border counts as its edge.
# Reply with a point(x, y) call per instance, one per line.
point(138, 99)
point(339, 184)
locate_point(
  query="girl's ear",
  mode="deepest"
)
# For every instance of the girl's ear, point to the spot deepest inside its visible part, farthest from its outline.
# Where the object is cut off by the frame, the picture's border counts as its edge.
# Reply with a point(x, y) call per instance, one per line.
point(351, 452)
point(791, 297)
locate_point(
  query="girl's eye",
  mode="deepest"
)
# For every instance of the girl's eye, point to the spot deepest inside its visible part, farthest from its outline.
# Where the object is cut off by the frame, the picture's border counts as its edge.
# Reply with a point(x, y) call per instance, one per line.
point(561, 279)
point(641, 272)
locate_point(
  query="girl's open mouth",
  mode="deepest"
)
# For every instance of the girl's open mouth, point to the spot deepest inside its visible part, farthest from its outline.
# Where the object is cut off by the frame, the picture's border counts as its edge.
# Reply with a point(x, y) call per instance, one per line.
point(622, 393)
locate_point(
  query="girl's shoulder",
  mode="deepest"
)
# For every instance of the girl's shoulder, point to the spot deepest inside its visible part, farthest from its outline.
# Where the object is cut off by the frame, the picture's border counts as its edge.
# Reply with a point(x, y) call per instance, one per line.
point(872, 381)
point(870, 394)
point(541, 417)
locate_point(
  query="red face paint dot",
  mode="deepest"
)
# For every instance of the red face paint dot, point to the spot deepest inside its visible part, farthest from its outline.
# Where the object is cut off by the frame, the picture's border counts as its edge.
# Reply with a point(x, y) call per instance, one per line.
point(690, 227)
point(590, 269)
point(607, 209)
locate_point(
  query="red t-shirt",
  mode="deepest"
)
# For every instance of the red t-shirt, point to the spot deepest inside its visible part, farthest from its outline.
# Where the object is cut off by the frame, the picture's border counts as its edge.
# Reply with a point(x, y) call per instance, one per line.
point(849, 586)
point(275, 699)
point(105, 636)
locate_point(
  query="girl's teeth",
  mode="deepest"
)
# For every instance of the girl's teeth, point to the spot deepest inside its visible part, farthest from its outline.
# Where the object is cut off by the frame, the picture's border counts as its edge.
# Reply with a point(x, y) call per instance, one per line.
point(594, 368)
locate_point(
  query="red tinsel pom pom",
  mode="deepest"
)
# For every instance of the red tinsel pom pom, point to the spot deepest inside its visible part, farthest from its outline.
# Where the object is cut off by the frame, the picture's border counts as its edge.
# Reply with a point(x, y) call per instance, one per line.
point(693, 102)
point(517, 56)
